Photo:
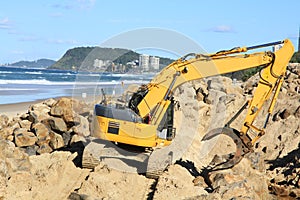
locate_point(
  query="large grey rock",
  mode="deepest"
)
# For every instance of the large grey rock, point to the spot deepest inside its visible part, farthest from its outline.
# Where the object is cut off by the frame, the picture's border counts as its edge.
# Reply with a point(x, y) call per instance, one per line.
point(31, 150)
point(66, 137)
point(24, 138)
point(44, 148)
point(56, 124)
point(83, 126)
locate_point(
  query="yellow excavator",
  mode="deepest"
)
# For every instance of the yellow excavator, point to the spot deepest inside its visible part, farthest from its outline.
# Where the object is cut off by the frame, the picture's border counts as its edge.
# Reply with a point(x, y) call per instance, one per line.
point(147, 119)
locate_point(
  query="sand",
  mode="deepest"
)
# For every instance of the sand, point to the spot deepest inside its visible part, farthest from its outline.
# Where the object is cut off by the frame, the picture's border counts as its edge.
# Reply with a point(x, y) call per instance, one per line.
point(12, 110)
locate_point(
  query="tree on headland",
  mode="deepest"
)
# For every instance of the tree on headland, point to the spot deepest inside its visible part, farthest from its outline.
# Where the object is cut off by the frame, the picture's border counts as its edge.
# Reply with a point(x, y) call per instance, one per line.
point(296, 58)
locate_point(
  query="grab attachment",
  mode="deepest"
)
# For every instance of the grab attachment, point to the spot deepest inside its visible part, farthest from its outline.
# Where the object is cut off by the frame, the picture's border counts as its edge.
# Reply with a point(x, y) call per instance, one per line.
point(229, 160)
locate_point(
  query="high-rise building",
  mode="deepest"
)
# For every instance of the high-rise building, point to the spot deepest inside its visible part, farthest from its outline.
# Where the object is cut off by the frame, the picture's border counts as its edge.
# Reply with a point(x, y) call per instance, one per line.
point(154, 62)
point(144, 62)
point(299, 41)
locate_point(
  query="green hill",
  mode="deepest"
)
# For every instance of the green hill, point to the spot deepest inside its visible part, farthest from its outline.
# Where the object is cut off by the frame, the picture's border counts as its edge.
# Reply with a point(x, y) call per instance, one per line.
point(296, 57)
point(41, 63)
point(83, 58)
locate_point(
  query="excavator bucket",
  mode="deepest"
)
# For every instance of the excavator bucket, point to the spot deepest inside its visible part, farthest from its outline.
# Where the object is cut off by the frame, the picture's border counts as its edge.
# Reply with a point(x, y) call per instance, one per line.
point(229, 160)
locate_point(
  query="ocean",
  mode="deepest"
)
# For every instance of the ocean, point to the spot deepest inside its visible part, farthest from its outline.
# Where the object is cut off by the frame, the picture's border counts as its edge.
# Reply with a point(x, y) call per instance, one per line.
point(25, 84)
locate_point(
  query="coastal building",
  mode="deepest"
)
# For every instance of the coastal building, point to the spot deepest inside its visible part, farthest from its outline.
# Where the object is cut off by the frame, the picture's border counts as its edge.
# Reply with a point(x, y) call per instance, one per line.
point(98, 63)
point(144, 62)
point(299, 41)
point(148, 63)
point(154, 62)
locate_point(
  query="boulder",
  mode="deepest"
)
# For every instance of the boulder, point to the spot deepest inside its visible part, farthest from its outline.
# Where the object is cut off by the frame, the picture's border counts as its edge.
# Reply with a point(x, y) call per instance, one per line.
point(238, 181)
point(44, 148)
point(81, 107)
point(14, 122)
point(215, 85)
point(49, 102)
point(12, 161)
point(3, 121)
point(77, 138)
point(83, 126)
point(42, 133)
point(65, 108)
point(297, 112)
point(285, 114)
point(56, 141)
point(38, 112)
point(57, 111)
point(6, 132)
point(214, 96)
point(24, 116)
point(31, 150)
point(25, 124)
point(40, 130)
point(56, 124)
point(51, 176)
point(24, 138)
point(177, 183)
point(66, 137)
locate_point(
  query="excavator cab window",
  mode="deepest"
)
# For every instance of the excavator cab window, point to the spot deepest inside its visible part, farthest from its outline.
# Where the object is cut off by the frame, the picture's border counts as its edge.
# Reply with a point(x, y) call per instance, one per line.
point(166, 124)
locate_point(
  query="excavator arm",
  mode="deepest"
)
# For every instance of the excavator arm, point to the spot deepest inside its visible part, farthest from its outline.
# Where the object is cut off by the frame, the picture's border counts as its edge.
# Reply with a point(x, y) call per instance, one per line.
point(201, 66)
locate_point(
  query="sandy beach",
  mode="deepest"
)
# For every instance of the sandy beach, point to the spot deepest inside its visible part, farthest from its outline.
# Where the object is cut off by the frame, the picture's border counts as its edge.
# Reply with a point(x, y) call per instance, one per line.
point(12, 110)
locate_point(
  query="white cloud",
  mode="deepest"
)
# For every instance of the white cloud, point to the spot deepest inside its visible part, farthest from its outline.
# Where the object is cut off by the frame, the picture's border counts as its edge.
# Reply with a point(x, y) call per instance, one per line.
point(78, 4)
point(19, 52)
point(86, 4)
point(28, 38)
point(222, 29)
point(62, 6)
point(5, 23)
point(60, 41)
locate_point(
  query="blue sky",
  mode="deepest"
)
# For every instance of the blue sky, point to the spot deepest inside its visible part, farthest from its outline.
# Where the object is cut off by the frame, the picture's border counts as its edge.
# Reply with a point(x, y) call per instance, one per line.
point(33, 29)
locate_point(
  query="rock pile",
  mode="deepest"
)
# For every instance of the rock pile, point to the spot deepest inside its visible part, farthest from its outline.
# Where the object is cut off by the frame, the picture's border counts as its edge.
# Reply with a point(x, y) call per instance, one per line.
point(270, 172)
point(48, 126)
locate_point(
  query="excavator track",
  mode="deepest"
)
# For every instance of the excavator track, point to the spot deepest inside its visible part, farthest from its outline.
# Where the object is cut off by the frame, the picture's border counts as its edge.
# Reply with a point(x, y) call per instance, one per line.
point(158, 161)
point(99, 151)
point(89, 160)
point(154, 174)
point(151, 163)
